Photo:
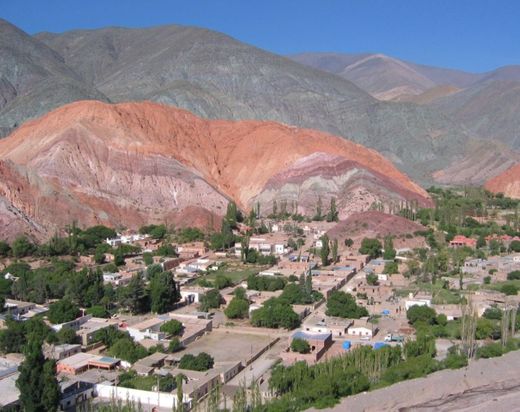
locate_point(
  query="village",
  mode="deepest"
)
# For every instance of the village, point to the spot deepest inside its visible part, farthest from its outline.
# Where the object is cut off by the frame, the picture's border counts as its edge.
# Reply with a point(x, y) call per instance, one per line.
point(298, 291)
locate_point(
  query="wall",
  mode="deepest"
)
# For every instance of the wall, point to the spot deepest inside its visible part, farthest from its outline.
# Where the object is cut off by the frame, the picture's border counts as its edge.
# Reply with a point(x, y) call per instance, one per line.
point(145, 398)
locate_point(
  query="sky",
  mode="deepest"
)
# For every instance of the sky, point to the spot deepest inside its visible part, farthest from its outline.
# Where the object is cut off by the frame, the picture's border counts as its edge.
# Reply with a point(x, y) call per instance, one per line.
point(472, 35)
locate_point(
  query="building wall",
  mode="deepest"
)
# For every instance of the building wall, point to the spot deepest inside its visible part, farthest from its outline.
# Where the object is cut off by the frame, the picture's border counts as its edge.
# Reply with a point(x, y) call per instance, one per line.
point(145, 398)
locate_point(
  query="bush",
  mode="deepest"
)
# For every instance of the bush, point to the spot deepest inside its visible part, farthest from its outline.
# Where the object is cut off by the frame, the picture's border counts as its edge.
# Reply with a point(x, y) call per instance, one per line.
point(172, 327)
point(491, 350)
point(300, 346)
point(202, 362)
point(98, 311)
point(222, 281)
point(372, 279)
point(125, 348)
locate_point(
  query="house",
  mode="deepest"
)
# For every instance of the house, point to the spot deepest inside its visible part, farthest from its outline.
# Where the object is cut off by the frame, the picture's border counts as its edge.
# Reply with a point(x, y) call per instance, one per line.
point(193, 294)
point(88, 330)
point(362, 328)
point(58, 352)
point(18, 307)
point(192, 250)
point(149, 328)
point(319, 344)
point(75, 393)
point(80, 362)
point(417, 300)
point(336, 326)
point(463, 241)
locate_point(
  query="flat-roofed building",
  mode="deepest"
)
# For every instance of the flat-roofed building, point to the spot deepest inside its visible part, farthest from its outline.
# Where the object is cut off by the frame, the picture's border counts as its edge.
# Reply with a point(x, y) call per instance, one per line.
point(80, 362)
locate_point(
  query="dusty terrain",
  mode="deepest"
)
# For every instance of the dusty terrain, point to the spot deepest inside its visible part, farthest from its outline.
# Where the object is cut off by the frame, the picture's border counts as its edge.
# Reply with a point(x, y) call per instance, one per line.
point(132, 163)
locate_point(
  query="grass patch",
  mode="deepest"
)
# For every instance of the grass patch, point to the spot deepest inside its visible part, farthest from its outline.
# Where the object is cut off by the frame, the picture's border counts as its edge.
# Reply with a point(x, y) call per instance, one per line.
point(133, 381)
point(236, 274)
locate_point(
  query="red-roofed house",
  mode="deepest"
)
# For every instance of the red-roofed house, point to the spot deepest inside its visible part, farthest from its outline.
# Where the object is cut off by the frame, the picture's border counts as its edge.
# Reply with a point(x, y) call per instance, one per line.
point(463, 241)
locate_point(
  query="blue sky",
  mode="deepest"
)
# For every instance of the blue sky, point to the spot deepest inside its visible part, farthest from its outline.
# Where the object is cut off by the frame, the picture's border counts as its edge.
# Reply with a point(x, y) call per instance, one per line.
point(473, 35)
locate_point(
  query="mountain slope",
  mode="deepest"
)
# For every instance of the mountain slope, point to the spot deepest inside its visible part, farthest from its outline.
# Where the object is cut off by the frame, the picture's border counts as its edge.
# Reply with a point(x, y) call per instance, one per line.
point(490, 109)
point(216, 76)
point(33, 79)
point(132, 163)
point(507, 182)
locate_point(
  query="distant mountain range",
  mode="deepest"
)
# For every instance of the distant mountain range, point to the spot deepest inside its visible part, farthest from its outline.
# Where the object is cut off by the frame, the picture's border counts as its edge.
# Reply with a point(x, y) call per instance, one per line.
point(131, 164)
point(429, 133)
point(486, 104)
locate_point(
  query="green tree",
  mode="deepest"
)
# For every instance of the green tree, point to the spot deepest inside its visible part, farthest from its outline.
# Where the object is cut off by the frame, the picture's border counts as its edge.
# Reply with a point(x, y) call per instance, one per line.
point(370, 247)
point(300, 346)
point(21, 247)
point(62, 311)
point(509, 289)
point(147, 258)
point(119, 257)
point(238, 308)
point(332, 215)
point(210, 300)
point(174, 345)
point(67, 335)
point(349, 242)
point(325, 250)
point(344, 305)
point(335, 251)
point(134, 296)
point(422, 313)
point(389, 253)
point(39, 390)
point(371, 279)
point(5, 249)
point(164, 293)
point(172, 327)
point(202, 362)
point(391, 268)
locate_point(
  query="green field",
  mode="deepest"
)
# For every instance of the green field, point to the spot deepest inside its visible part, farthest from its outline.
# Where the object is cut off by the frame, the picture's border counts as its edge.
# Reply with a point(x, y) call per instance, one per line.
point(235, 273)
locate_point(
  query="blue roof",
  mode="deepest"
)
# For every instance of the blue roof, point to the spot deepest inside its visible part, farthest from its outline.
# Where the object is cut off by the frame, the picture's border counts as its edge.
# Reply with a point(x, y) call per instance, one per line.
point(309, 336)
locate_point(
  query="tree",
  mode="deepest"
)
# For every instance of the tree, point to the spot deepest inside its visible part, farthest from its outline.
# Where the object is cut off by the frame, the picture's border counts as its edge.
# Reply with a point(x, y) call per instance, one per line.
point(39, 389)
point(371, 279)
point(391, 268)
point(232, 214)
point(119, 257)
point(344, 305)
point(174, 345)
point(332, 215)
point(172, 327)
point(158, 232)
point(389, 253)
point(370, 247)
point(514, 275)
point(422, 313)
point(62, 311)
point(147, 258)
point(164, 293)
point(300, 346)
point(125, 348)
point(202, 362)
point(67, 335)
point(210, 300)
point(335, 251)
point(275, 313)
point(134, 296)
point(222, 281)
point(509, 289)
point(99, 256)
point(21, 247)
point(513, 247)
point(325, 250)
point(319, 212)
point(349, 242)
point(5, 249)
point(238, 308)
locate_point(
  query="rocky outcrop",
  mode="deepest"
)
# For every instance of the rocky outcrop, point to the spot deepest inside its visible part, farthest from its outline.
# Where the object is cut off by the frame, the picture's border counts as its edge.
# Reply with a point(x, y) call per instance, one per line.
point(134, 163)
point(507, 183)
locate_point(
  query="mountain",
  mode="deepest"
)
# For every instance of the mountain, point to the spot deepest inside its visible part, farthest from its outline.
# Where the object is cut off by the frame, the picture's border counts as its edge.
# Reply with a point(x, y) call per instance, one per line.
point(34, 79)
point(507, 182)
point(490, 108)
point(134, 163)
point(385, 77)
point(215, 76)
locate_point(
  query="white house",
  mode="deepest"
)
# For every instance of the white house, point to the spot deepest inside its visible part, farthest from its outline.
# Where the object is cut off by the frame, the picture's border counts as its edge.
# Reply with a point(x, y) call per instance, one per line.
point(417, 302)
point(147, 329)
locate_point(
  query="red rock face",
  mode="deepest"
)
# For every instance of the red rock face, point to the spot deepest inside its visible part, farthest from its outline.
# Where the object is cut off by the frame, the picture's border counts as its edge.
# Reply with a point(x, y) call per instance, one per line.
point(135, 163)
point(507, 183)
